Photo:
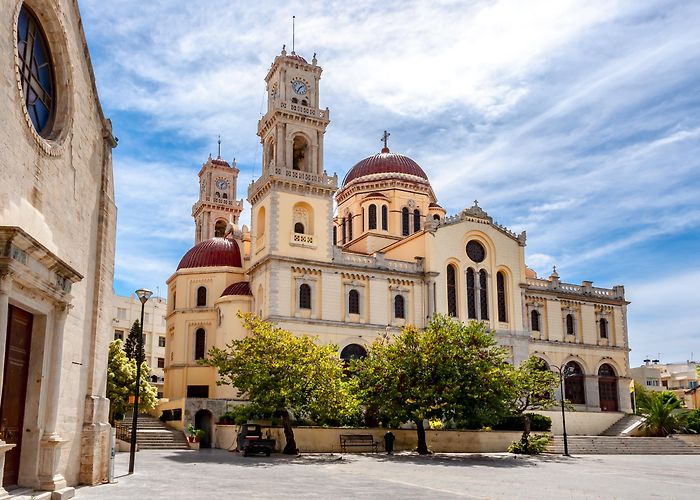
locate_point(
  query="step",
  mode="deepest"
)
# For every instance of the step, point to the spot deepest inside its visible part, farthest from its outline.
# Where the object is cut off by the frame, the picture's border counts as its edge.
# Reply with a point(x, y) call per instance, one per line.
point(612, 445)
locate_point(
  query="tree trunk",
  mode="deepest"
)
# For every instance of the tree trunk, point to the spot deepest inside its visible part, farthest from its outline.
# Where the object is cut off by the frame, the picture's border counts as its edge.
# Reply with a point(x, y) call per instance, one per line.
point(524, 440)
point(422, 445)
point(290, 447)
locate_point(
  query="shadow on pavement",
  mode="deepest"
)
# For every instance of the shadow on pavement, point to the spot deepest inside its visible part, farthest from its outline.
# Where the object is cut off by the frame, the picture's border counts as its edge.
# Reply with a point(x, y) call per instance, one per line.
point(443, 459)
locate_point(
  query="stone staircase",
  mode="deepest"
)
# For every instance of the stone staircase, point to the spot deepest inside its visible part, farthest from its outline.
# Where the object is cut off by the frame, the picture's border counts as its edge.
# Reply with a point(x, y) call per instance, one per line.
point(619, 445)
point(152, 434)
point(623, 424)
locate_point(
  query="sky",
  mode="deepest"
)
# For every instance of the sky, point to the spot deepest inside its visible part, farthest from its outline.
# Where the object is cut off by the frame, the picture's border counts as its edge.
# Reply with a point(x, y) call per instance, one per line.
point(577, 121)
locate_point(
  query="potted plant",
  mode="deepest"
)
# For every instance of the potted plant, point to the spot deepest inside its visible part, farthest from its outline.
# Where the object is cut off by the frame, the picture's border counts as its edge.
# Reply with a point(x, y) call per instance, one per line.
point(194, 436)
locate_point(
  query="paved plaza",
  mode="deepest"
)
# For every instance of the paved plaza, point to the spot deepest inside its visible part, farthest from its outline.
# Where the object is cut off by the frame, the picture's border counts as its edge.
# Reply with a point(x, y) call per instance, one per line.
point(222, 474)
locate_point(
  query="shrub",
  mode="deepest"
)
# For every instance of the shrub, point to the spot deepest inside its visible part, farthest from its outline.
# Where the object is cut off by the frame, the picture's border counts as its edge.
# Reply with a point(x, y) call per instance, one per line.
point(535, 445)
point(538, 423)
point(436, 424)
point(693, 421)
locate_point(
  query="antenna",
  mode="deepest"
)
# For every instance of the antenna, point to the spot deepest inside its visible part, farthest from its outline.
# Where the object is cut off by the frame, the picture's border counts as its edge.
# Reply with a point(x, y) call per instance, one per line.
point(293, 33)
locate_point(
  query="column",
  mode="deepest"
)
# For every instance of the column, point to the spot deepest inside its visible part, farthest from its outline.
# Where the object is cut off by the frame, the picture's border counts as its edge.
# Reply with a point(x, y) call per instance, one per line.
point(624, 397)
point(5, 287)
point(50, 446)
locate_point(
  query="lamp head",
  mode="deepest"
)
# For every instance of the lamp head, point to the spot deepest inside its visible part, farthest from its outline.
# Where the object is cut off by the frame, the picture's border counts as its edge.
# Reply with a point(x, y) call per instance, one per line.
point(143, 294)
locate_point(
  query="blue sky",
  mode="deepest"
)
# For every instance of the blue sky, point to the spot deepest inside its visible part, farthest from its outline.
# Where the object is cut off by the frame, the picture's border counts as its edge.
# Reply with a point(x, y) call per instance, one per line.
point(578, 121)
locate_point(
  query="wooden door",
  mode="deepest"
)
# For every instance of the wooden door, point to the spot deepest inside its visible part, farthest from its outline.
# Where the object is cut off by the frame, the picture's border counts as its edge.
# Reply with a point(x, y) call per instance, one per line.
point(14, 391)
point(607, 389)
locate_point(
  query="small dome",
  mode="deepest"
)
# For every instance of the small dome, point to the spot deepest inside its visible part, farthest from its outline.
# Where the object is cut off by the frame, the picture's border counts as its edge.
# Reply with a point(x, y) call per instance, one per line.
point(240, 288)
point(220, 161)
point(530, 273)
point(216, 252)
point(385, 163)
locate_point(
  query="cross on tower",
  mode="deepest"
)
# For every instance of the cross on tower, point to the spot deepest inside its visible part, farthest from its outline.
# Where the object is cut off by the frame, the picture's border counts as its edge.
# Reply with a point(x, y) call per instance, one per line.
point(219, 141)
point(385, 138)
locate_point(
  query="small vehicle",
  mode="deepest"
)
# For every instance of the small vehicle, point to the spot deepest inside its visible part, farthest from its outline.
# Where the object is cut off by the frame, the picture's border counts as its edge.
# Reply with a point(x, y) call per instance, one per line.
point(250, 440)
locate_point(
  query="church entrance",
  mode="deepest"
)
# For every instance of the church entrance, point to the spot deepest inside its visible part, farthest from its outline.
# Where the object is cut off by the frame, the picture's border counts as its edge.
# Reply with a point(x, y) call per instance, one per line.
point(607, 388)
point(14, 391)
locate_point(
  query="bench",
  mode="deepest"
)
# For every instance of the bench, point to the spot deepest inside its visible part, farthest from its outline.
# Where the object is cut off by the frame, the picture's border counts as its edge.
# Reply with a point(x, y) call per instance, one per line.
point(353, 440)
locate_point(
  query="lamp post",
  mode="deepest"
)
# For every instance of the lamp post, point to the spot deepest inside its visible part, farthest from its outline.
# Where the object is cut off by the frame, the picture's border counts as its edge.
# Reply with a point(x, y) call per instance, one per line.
point(143, 296)
point(563, 373)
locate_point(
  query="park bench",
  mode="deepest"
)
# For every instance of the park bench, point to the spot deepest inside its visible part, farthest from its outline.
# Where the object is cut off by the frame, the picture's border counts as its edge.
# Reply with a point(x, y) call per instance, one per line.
point(357, 440)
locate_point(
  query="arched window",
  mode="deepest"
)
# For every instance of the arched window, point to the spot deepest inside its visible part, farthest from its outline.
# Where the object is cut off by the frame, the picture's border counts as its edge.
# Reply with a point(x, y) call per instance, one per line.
point(535, 320)
point(299, 228)
point(416, 220)
point(603, 327)
point(335, 235)
point(299, 153)
point(451, 291)
point(201, 296)
point(570, 324)
point(217, 195)
point(372, 217)
point(501, 289)
point(200, 338)
point(405, 227)
point(220, 228)
point(349, 227)
point(573, 383)
point(385, 218)
point(471, 293)
point(304, 103)
point(436, 217)
point(352, 351)
point(36, 71)
point(353, 302)
point(483, 294)
point(295, 101)
point(345, 231)
point(260, 222)
point(399, 309)
point(305, 296)
point(607, 388)
point(224, 196)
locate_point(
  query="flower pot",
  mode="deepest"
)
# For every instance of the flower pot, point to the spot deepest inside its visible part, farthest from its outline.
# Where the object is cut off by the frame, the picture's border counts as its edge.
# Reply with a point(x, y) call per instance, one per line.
point(194, 445)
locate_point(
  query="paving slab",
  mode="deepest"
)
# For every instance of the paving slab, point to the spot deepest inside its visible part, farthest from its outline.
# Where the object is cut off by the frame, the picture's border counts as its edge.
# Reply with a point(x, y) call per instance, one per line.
point(188, 474)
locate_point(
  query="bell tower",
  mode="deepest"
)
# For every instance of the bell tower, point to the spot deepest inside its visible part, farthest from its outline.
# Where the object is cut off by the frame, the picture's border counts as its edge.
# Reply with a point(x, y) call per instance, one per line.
point(292, 201)
point(217, 204)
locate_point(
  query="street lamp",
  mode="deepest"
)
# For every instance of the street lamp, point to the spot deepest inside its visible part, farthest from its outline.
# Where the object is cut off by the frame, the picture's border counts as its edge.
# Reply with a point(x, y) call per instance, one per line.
point(143, 296)
point(564, 371)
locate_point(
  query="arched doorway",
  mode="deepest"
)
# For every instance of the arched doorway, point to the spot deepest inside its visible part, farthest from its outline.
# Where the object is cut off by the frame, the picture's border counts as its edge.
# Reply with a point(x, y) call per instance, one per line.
point(352, 351)
point(607, 388)
point(574, 389)
point(202, 420)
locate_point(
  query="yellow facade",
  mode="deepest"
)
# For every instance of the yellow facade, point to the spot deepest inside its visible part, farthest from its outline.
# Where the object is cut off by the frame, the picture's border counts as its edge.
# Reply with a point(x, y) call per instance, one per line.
point(387, 256)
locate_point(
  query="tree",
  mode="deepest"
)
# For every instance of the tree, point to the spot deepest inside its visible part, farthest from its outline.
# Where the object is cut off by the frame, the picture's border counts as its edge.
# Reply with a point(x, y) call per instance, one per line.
point(662, 415)
point(448, 371)
point(121, 378)
point(533, 389)
point(284, 373)
point(132, 341)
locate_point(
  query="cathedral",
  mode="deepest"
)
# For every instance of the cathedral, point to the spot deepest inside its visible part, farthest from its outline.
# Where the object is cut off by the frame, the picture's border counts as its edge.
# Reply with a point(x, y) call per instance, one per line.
point(352, 260)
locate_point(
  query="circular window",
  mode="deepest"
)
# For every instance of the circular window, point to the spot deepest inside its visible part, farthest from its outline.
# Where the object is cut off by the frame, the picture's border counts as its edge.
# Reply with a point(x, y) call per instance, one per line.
point(36, 71)
point(475, 251)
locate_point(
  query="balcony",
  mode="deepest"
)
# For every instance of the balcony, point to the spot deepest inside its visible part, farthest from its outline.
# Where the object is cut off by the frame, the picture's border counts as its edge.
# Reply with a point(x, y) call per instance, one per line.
point(302, 240)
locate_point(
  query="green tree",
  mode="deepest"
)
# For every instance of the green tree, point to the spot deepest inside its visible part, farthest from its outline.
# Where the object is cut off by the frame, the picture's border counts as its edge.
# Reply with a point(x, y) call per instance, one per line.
point(533, 389)
point(132, 343)
point(448, 371)
point(662, 415)
point(121, 378)
point(284, 373)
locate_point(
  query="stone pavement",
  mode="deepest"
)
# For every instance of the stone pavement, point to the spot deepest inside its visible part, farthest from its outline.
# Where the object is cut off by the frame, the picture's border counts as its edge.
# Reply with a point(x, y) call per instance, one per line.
point(205, 474)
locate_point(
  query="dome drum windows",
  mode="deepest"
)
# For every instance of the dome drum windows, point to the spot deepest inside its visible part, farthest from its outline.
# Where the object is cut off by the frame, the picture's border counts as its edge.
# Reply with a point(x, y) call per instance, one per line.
point(200, 338)
point(202, 296)
point(385, 218)
point(372, 217)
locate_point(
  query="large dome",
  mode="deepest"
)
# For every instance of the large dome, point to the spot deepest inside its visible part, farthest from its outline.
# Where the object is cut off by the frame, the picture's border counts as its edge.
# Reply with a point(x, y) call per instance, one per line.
point(391, 164)
point(216, 252)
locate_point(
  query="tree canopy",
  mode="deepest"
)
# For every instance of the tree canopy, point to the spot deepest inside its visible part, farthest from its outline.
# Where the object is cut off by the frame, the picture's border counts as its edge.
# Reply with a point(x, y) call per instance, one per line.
point(132, 343)
point(282, 372)
point(451, 370)
point(121, 379)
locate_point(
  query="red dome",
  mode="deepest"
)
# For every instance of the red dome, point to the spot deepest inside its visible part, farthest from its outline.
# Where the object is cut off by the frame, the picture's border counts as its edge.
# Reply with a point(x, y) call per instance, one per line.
point(240, 288)
point(385, 163)
point(216, 252)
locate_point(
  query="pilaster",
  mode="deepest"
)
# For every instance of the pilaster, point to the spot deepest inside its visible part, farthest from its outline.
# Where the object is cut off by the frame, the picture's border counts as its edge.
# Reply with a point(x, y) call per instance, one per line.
point(592, 394)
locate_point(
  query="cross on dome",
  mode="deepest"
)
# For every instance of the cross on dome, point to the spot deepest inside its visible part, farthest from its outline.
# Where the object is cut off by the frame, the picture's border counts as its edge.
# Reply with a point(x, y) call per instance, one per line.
point(384, 139)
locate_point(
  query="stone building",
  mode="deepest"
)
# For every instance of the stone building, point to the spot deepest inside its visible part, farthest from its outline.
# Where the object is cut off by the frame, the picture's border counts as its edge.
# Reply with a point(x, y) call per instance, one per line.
point(348, 262)
point(57, 232)
point(126, 310)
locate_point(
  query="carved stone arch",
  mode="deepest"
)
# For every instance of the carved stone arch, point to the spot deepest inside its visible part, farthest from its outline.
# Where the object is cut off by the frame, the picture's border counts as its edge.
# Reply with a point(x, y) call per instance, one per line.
point(489, 247)
point(612, 363)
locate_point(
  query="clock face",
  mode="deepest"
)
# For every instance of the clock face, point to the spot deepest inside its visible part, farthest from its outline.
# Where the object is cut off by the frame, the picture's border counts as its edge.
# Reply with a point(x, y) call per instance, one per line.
point(299, 87)
point(221, 184)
